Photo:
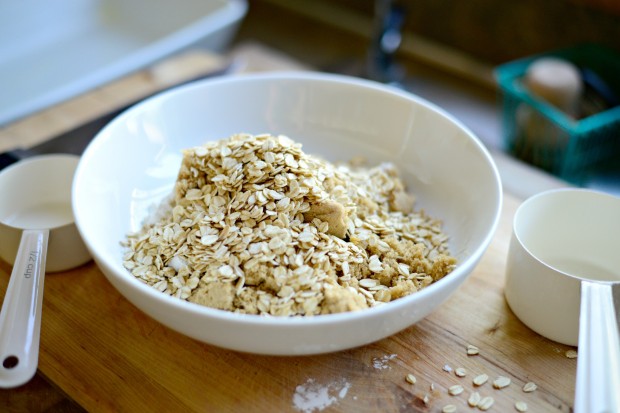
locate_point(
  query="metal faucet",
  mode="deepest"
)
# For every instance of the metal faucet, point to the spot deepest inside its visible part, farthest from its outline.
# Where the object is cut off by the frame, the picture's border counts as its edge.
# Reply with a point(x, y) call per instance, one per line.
point(385, 41)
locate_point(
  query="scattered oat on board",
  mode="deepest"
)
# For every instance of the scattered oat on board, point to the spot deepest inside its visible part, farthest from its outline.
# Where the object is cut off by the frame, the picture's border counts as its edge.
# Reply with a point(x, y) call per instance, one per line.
point(486, 403)
point(455, 390)
point(460, 371)
point(472, 350)
point(474, 399)
point(480, 379)
point(501, 382)
point(529, 387)
point(448, 408)
point(521, 406)
point(426, 399)
point(410, 378)
point(257, 226)
point(571, 354)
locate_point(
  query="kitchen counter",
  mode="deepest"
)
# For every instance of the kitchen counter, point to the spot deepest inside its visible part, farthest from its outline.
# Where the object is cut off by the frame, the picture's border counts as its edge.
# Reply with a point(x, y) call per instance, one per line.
point(99, 353)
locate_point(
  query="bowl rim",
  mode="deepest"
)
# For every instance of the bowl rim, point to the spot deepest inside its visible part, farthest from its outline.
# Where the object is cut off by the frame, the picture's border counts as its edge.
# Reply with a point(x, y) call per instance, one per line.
point(458, 275)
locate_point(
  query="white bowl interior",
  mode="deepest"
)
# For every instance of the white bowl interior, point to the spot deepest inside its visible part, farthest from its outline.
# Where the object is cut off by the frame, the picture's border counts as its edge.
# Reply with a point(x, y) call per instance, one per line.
point(133, 162)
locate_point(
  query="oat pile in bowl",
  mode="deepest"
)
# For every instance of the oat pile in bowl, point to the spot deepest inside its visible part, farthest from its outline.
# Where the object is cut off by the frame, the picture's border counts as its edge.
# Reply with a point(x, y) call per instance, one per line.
point(257, 226)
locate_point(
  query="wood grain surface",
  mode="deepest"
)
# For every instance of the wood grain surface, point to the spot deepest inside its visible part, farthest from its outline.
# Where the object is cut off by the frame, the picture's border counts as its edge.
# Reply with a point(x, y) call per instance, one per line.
point(108, 356)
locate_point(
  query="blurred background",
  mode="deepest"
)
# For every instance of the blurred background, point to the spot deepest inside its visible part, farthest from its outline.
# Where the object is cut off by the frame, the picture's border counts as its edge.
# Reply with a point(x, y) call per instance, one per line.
point(321, 32)
point(490, 31)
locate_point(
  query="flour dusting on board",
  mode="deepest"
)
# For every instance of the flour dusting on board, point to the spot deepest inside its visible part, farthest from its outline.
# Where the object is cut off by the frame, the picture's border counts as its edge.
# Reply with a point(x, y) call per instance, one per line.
point(381, 363)
point(313, 396)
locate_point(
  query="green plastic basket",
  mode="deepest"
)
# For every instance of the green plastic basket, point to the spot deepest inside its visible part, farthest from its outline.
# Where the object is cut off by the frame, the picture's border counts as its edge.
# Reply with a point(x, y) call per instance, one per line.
point(542, 135)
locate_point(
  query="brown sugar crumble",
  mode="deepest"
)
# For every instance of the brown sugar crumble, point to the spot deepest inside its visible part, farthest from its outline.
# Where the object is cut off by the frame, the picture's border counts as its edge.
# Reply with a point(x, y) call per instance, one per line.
point(257, 226)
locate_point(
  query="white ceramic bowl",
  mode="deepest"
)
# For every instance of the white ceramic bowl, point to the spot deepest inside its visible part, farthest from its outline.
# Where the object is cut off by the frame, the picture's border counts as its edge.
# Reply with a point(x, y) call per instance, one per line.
point(133, 162)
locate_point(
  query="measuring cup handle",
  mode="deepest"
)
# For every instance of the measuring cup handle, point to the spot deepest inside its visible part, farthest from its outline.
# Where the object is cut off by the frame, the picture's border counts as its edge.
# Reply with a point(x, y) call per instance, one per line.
point(20, 317)
point(598, 365)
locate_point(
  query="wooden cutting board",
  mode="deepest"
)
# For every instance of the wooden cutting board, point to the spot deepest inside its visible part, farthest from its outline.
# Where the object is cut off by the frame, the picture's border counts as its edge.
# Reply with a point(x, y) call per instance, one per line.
point(108, 356)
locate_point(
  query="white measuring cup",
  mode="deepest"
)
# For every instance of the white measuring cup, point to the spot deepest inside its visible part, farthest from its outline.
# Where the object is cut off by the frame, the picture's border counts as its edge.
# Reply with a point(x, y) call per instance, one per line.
point(37, 234)
point(563, 281)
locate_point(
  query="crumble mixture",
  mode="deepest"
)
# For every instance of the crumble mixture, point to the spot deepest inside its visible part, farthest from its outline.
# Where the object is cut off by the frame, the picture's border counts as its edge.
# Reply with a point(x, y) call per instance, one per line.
point(257, 226)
